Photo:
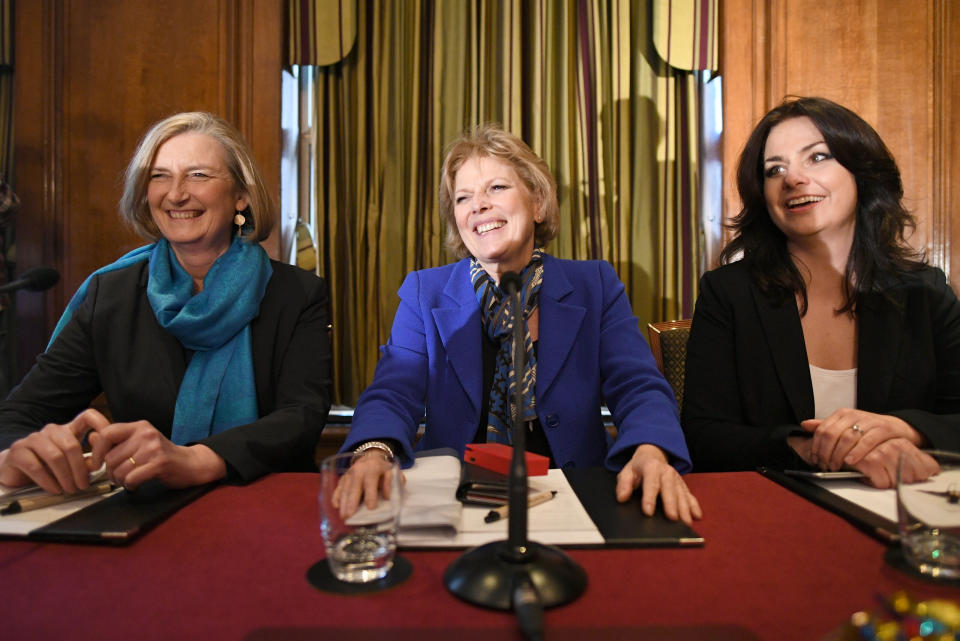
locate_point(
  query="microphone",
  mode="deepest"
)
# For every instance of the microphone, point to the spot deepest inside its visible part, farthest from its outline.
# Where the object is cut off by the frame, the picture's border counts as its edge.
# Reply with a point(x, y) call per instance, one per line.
point(510, 283)
point(517, 574)
point(34, 280)
point(517, 486)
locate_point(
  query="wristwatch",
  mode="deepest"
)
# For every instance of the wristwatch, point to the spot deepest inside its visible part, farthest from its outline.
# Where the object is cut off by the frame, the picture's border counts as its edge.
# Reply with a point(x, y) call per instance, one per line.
point(373, 445)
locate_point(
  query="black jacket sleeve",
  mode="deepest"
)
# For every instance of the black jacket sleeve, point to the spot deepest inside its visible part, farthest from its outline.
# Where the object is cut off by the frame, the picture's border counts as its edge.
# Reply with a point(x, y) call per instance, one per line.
point(933, 316)
point(62, 382)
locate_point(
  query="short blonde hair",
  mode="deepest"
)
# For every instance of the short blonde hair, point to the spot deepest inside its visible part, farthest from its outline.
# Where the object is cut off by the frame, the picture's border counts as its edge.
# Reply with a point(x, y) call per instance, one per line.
point(246, 175)
point(491, 141)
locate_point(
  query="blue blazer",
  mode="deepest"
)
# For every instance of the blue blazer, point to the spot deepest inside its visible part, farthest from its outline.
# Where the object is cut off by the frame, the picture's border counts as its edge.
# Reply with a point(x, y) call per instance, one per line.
point(590, 351)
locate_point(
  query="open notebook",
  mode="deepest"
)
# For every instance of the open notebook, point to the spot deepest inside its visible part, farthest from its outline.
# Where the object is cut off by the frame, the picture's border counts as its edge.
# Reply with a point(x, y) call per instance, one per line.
point(583, 512)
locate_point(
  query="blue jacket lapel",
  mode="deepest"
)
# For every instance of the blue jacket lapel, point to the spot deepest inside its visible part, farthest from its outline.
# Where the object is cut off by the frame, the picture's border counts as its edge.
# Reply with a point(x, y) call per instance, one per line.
point(560, 324)
point(457, 316)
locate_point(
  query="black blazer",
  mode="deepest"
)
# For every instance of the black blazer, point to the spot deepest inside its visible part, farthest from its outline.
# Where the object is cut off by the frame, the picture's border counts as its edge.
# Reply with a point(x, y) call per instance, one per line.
point(115, 345)
point(748, 382)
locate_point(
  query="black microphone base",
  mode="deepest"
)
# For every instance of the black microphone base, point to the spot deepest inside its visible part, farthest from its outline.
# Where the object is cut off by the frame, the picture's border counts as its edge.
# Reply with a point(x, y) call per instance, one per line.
point(486, 576)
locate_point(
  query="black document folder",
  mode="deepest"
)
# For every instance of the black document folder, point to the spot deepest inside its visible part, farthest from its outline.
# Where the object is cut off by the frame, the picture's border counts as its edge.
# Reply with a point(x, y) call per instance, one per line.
point(870, 522)
point(625, 524)
point(119, 518)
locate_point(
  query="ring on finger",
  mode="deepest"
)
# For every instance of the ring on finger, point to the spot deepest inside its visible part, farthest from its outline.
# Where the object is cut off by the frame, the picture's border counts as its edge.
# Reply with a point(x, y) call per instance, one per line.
point(856, 428)
point(133, 462)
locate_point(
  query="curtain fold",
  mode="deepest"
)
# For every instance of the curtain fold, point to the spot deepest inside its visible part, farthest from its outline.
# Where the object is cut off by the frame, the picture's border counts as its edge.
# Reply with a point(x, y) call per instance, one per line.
point(579, 80)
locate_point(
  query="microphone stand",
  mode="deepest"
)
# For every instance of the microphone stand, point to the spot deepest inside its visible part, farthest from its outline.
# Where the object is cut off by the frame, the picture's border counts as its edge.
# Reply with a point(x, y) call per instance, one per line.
point(517, 574)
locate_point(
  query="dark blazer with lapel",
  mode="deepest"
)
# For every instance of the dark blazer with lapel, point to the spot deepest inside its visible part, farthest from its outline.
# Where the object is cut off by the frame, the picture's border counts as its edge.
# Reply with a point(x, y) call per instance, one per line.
point(748, 380)
point(115, 345)
point(590, 350)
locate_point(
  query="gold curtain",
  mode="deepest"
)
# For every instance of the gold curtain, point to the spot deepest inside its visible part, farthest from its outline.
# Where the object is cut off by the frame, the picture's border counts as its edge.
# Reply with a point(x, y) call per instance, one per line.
point(579, 80)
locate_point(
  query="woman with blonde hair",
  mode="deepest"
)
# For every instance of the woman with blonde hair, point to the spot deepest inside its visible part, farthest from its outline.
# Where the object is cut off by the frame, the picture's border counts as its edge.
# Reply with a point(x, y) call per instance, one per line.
point(214, 360)
point(449, 353)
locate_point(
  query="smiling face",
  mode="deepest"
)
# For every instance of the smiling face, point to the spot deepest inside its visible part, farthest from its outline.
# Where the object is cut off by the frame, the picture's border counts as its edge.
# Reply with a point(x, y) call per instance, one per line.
point(495, 215)
point(192, 197)
point(809, 194)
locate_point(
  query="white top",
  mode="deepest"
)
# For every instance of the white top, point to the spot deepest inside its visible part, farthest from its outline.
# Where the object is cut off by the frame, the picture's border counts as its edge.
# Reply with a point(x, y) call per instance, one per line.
point(833, 389)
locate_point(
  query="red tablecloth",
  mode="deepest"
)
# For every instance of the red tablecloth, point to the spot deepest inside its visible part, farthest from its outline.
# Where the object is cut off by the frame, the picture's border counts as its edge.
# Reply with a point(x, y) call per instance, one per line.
point(232, 566)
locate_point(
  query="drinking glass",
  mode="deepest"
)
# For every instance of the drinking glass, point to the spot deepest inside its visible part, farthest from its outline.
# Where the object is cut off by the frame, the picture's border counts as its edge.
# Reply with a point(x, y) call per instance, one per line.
point(928, 515)
point(360, 548)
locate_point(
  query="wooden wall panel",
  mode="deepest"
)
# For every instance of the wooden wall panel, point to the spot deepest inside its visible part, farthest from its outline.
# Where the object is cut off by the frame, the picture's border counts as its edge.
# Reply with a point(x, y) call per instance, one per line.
point(90, 78)
point(947, 134)
point(885, 59)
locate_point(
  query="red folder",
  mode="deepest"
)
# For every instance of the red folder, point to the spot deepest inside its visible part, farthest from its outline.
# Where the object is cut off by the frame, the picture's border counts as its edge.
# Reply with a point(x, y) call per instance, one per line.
point(496, 457)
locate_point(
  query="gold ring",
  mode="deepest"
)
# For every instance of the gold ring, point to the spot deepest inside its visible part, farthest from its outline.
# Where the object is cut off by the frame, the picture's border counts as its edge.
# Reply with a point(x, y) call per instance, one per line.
point(856, 428)
point(132, 461)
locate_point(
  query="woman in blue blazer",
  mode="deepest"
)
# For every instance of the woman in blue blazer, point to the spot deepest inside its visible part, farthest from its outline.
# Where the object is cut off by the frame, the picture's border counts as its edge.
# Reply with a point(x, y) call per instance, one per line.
point(448, 356)
point(829, 344)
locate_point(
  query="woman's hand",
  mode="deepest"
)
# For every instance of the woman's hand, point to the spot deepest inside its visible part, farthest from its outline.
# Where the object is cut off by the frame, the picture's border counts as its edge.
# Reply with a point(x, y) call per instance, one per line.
point(880, 464)
point(846, 436)
point(53, 457)
point(367, 477)
point(870, 443)
point(649, 466)
point(139, 452)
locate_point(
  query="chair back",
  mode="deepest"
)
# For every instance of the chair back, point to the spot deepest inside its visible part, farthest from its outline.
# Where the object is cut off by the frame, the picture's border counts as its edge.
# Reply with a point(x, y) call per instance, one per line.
point(668, 342)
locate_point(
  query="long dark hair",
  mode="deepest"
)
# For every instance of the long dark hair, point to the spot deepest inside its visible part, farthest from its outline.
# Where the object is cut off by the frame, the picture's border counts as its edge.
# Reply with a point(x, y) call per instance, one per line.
point(879, 255)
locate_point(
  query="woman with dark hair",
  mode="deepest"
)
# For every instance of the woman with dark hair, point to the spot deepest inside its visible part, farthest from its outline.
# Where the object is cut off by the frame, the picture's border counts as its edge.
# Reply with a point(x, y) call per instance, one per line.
point(823, 341)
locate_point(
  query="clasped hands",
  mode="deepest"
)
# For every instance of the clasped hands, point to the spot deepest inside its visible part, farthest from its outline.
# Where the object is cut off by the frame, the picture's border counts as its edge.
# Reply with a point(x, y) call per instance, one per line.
point(648, 467)
point(867, 442)
point(133, 453)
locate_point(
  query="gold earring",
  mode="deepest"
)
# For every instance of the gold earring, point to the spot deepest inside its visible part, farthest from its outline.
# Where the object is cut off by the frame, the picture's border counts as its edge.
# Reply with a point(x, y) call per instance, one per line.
point(239, 221)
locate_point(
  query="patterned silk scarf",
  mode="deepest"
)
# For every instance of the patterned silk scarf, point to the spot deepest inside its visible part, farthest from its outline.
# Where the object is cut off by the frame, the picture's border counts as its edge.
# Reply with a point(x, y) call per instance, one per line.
point(496, 311)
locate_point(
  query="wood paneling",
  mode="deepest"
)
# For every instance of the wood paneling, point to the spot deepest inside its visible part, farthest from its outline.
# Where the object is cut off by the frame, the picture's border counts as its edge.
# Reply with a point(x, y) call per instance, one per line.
point(894, 63)
point(947, 134)
point(90, 79)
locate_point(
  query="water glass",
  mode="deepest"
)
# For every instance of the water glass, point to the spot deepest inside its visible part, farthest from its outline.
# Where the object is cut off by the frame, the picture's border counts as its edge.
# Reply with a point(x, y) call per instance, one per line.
point(928, 515)
point(360, 548)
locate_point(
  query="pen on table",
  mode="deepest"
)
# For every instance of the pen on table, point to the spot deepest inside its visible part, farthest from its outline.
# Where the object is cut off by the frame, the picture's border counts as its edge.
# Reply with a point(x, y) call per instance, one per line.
point(35, 503)
point(504, 510)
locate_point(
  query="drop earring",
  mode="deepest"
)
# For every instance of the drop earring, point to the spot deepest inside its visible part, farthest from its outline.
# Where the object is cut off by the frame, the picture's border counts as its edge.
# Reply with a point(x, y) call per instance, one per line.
point(239, 220)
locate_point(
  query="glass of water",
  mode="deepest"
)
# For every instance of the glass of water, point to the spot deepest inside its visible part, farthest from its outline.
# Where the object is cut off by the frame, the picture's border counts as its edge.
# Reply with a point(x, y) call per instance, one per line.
point(928, 515)
point(360, 548)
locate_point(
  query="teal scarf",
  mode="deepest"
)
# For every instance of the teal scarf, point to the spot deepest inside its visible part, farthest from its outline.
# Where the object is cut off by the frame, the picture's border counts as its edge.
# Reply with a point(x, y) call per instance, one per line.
point(218, 390)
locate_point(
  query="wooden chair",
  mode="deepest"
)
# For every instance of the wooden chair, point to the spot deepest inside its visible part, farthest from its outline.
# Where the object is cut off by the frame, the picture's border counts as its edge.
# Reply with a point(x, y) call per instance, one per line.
point(668, 342)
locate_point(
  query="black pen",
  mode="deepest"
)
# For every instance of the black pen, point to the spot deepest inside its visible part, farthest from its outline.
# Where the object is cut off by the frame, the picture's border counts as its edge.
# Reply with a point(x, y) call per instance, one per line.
point(35, 503)
point(504, 510)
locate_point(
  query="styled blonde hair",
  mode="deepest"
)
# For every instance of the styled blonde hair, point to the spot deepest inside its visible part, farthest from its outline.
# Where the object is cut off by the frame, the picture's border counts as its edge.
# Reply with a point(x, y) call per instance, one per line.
point(246, 175)
point(491, 141)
